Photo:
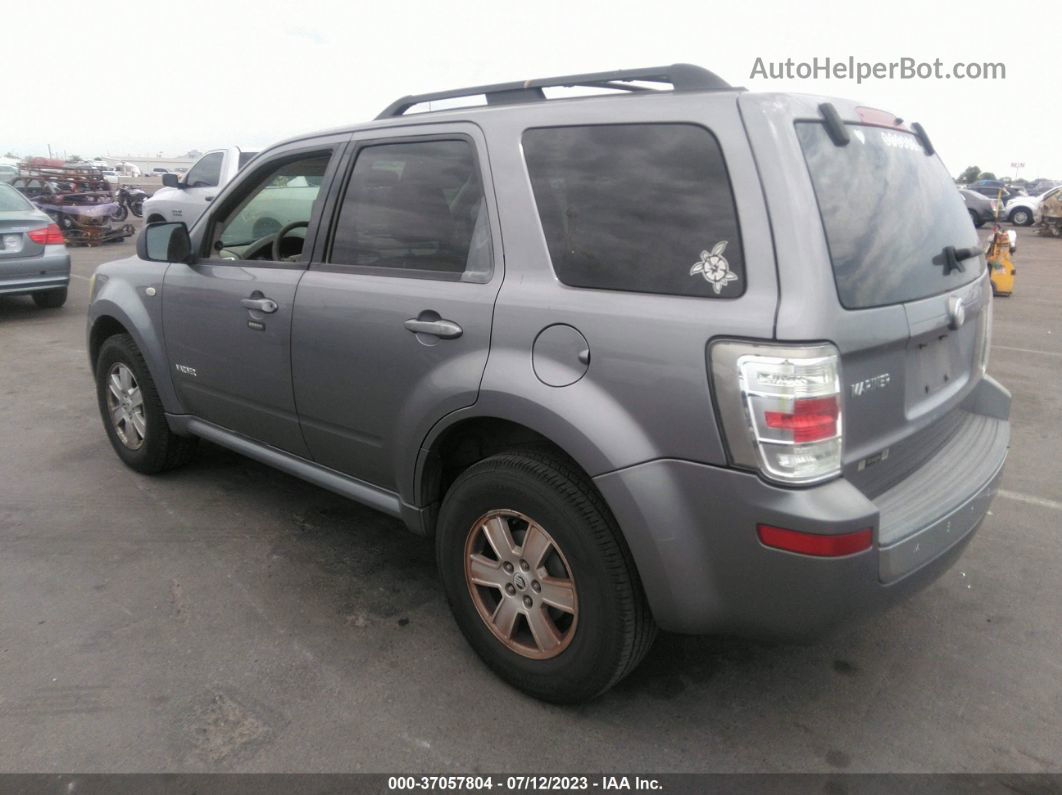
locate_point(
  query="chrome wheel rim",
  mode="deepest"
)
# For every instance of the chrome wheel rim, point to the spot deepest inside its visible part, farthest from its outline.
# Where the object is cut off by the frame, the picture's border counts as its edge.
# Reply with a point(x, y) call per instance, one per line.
point(125, 404)
point(521, 584)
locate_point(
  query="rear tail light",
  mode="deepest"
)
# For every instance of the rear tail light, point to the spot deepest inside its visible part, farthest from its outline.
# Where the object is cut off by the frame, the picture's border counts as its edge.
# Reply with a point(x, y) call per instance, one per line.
point(821, 546)
point(781, 409)
point(50, 235)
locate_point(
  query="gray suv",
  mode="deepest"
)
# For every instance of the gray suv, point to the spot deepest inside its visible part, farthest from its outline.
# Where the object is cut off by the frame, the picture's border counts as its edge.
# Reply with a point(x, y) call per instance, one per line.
point(675, 355)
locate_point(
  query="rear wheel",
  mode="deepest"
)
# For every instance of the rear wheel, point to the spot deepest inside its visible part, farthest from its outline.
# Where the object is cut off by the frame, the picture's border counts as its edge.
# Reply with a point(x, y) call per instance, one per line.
point(121, 213)
point(539, 579)
point(50, 299)
point(132, 411)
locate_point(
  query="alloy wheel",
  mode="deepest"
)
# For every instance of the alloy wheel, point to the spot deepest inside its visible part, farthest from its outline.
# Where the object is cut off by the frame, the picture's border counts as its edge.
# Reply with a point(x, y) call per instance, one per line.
point(125, 404)
point(521, 584)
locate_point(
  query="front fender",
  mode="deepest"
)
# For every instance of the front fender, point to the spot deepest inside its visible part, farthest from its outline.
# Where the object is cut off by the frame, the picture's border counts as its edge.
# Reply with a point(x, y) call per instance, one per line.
point(126, 301)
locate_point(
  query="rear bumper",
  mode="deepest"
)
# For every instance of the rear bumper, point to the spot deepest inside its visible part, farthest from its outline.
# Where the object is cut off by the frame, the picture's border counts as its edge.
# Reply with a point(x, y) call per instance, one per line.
point(692, 531)
point(33, 274)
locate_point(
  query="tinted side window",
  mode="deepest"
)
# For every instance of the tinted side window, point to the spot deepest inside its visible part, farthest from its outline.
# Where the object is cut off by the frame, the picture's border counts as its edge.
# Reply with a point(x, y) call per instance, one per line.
point(638, 207)
point(415, 206)
point(206, 173)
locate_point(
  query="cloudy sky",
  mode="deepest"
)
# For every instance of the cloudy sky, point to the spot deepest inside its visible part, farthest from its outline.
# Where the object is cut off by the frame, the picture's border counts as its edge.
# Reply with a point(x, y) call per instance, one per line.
point(143, 77)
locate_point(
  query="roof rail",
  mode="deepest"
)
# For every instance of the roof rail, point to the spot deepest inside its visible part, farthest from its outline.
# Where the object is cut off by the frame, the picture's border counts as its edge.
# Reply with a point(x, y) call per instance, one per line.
point(680, 76)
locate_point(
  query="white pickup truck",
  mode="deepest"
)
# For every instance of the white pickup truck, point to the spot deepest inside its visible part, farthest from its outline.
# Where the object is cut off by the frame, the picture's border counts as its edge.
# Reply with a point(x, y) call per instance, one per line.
point(185, 199)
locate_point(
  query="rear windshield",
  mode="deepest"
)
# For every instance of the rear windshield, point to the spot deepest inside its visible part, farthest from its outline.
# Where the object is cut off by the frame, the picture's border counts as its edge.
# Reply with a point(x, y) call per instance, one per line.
point(889, 211)
point(639, 207)
point(11, 200)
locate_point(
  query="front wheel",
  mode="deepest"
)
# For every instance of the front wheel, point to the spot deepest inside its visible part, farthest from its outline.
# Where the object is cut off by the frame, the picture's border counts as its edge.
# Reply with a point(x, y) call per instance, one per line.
point(539, 579)
point(132, 410)
point(1021, 217)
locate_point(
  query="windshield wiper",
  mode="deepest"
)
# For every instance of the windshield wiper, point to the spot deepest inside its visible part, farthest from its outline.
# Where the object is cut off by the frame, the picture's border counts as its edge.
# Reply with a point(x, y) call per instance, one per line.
point(951, 258)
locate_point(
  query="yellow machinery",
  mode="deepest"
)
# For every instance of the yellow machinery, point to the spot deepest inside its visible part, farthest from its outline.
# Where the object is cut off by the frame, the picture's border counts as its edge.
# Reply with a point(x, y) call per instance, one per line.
point(999, 263)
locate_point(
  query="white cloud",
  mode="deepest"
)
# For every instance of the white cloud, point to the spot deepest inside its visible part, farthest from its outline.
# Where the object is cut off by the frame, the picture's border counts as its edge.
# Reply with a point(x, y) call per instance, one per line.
point(149, 77)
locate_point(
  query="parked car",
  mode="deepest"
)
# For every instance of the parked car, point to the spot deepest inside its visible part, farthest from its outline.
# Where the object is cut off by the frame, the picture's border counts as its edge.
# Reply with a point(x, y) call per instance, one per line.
point(33, 256)
point(1022, 210)
point(185, 198)
point(982, 210)
point(695, 358)
point(993, 190)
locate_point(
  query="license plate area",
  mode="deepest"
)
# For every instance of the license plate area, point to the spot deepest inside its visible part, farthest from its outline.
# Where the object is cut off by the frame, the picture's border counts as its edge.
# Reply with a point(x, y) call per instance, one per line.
point(11, 243)
point(938, 365)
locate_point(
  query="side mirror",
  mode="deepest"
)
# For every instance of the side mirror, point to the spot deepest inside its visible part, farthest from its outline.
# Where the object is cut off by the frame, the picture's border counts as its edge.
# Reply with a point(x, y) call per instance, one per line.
point(165, 242)
point(171, 180)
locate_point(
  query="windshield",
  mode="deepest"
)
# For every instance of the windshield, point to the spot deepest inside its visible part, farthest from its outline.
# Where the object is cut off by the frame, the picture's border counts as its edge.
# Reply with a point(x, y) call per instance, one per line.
point(888, 210)
point(11, 201)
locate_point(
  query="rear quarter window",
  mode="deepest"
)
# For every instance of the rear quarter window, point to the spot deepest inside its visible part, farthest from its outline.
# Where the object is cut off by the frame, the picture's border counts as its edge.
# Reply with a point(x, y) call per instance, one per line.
point(637, 207)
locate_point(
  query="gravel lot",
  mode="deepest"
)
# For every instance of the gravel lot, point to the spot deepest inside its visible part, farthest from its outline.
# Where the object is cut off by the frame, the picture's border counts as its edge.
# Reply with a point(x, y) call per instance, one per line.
point(226, 617)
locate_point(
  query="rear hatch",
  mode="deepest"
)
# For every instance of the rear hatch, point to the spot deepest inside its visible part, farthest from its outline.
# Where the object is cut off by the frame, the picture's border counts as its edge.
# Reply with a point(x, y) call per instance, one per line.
point(910, 306)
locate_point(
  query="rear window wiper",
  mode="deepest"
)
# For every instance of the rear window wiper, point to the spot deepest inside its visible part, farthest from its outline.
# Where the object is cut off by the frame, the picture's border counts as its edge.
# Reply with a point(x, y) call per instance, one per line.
point(951, 258)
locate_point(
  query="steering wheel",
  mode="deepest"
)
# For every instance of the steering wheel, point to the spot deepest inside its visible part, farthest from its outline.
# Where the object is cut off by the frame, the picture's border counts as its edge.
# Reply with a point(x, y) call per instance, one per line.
point(280, 236)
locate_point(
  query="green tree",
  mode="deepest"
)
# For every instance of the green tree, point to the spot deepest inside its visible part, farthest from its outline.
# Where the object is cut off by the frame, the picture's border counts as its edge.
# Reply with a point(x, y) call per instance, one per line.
point(970, 175)
point(987, 175)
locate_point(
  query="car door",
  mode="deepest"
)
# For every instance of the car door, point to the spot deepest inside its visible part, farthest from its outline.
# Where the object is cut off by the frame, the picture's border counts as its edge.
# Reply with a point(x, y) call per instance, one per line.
point(393, 317)
point(227, 318)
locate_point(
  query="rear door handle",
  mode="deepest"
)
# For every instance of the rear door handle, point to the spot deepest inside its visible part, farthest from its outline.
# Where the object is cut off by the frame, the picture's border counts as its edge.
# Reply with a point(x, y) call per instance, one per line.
point(446, 329)
point(266, 305)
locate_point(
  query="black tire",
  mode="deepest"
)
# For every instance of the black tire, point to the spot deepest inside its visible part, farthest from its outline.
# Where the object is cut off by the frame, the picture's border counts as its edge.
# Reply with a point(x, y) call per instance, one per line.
point(161, 448)
point(50, 299)
point(977, 222)
point(156, 219)
point(614, 628)
point(1021, 216)
point(137, 206)
point(121, 213)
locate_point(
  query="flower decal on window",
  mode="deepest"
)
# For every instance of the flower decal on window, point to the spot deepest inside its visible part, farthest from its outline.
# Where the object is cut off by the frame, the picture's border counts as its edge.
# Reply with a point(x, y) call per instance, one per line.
point(714, 267)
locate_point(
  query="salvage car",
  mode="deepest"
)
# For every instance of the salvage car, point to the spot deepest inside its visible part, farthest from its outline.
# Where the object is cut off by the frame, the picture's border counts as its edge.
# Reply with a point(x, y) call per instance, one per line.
point(33, 257)
point(675, 355)
point(1021, 211)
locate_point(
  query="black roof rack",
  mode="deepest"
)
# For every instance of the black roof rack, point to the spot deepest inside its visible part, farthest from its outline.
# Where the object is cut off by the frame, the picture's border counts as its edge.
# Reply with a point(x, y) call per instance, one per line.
point(680, 76)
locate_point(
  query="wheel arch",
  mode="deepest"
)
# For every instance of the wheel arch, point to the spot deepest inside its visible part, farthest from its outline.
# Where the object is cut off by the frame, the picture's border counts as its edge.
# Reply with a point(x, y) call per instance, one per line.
point(108, 318)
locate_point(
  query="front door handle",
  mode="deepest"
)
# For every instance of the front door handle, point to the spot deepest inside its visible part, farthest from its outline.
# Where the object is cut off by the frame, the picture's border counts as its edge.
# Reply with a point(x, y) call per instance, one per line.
point(266, 305)
point(446, 329)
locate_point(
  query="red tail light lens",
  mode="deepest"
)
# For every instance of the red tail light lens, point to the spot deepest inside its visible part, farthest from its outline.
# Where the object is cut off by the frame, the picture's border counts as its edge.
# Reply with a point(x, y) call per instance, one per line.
point(820, 546)
point(50, 235)
point(811, 420)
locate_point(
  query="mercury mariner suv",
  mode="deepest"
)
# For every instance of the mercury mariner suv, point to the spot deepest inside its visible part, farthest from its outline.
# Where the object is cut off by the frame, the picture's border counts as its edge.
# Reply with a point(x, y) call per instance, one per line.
point(669, 355)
